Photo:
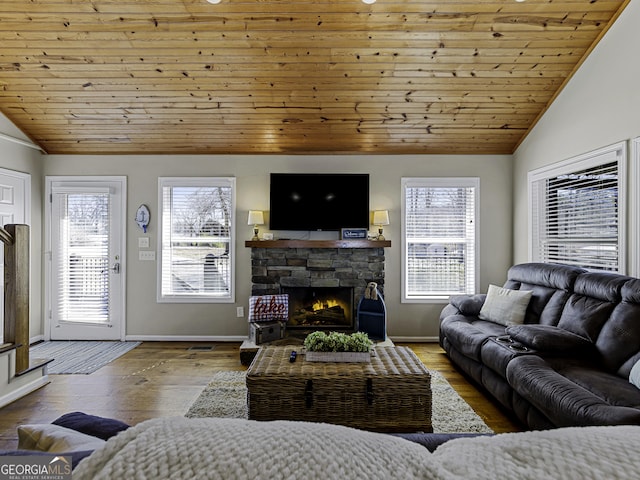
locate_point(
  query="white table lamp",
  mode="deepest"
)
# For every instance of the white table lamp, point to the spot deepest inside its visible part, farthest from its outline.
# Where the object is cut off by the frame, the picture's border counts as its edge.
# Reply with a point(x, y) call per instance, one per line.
point(255, 218)
point(380, 218)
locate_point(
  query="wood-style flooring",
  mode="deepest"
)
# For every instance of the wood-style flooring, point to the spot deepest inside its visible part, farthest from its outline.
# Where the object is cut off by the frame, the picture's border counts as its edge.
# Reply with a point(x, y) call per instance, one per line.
point(164, 378)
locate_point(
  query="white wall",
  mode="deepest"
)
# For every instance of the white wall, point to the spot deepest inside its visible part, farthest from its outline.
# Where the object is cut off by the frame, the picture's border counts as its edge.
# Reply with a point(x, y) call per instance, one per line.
point(600, 106)
point(17, 157)
point(145, 317)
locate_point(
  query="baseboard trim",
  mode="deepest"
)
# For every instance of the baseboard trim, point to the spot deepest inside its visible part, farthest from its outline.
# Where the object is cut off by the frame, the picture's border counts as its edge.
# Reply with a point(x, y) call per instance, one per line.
point(36, 339)
point(24, 390)
point(415, 339)
point(185, 338)
point(236, 338)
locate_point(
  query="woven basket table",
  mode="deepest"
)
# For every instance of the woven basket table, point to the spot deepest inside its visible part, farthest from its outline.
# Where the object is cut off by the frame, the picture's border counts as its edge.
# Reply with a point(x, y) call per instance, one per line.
point(392, 393)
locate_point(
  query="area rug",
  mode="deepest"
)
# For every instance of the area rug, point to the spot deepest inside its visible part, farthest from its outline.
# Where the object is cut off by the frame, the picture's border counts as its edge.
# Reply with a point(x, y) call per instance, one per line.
point(226, 396)
point(82, 357)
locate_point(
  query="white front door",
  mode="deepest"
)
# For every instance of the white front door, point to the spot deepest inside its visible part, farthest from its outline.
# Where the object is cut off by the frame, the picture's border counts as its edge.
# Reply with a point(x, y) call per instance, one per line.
point(86, 262)
point(15, 206)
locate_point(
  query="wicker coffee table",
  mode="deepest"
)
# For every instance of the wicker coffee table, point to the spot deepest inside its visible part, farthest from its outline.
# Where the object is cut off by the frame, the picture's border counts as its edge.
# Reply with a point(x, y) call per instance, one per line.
point(392, 393)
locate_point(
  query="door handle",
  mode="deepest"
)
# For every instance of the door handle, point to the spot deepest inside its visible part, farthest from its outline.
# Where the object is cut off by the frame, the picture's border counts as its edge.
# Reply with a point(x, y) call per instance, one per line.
point(114, 269)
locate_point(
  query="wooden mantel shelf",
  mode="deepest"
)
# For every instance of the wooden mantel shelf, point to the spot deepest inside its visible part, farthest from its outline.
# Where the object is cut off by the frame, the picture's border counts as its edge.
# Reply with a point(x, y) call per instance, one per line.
point(317, 243)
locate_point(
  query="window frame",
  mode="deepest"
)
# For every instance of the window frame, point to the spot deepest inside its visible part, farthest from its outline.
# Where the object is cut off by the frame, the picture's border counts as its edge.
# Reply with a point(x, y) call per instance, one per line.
point(199, 297)
point(612, 153)
point(440, 182)
point(634, 209)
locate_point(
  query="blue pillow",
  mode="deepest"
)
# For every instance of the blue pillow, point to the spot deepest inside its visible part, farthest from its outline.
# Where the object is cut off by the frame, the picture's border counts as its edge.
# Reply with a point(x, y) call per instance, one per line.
point(100, 427)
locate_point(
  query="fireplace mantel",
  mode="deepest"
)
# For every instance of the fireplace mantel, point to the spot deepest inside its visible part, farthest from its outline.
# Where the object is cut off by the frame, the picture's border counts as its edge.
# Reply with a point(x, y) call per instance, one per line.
point(317, 243)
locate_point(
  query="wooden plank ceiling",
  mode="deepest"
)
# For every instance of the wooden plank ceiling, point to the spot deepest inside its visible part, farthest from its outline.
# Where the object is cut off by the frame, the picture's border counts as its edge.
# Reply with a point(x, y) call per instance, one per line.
point(289, 76)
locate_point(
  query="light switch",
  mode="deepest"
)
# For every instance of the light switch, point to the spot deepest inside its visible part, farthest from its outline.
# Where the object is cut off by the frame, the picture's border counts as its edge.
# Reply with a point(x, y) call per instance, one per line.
point(147, 255)
point(143, 242)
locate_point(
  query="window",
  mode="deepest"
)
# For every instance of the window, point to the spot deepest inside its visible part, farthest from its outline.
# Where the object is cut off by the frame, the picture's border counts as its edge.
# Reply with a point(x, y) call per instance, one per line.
point(439, 237)
point(577, 211)
point(197, 239)
point(82, 257)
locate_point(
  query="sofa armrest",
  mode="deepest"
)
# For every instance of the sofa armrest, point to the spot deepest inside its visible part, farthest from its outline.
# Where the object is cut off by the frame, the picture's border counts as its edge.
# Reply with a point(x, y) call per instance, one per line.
point(469, 305)
point(547, 338)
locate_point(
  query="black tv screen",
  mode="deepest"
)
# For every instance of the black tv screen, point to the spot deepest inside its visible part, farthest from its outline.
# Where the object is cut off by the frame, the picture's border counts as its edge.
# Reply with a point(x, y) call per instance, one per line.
point(319, 201)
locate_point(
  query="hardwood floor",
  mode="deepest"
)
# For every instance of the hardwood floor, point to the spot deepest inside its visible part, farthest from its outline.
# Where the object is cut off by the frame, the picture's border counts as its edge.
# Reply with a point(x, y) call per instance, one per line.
point(164, 378)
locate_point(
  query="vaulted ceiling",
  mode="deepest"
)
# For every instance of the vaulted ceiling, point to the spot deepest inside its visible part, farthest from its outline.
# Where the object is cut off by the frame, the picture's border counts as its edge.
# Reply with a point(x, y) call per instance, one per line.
point(289, 76)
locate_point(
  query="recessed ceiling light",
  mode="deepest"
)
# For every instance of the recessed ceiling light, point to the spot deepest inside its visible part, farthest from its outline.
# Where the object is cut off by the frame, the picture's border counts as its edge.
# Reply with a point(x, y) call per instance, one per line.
point(368, 2)
point(213, 1)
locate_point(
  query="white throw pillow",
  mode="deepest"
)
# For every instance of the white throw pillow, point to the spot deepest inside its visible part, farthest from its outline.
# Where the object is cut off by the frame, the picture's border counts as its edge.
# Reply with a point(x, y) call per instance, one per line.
point(54, 438)
point(634, 375)
point(505, 306)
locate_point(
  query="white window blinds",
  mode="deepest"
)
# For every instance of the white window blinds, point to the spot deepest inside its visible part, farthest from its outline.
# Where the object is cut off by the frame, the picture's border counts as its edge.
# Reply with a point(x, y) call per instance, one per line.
point(576, 213)
point(81, 261)
point(197, 239)
point(439, 237)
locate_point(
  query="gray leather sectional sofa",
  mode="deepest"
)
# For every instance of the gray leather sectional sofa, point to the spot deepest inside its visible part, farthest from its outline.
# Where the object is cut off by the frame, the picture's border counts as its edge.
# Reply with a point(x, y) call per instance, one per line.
point(569, 362)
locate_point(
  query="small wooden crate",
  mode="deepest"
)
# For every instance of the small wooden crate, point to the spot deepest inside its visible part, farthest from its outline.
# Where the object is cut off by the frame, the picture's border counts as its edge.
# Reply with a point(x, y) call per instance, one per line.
point(266, 331)
point(392, 393)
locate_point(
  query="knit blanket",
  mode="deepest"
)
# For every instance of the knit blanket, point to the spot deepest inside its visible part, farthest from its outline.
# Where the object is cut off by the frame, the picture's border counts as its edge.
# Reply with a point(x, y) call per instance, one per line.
point(225, 448)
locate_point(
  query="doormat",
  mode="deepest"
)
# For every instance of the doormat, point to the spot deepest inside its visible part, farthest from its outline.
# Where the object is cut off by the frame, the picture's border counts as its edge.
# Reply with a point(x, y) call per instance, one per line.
point(226, 396)
point(82, 357)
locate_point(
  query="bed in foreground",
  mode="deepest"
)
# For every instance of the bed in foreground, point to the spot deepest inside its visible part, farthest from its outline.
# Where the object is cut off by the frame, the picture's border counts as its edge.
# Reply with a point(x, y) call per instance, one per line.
point(179, 448)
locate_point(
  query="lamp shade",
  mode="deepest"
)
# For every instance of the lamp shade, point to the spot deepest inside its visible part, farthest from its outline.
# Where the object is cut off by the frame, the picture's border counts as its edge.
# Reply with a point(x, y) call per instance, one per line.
point(255, 217)
point(381, 217)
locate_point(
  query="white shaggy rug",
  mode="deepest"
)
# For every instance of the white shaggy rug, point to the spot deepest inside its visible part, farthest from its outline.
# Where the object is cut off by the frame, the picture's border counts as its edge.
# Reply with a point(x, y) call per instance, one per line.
point(226, 396)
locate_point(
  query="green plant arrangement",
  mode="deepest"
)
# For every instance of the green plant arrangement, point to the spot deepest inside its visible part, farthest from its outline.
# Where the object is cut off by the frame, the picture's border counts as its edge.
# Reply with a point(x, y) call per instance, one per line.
point(337, 342)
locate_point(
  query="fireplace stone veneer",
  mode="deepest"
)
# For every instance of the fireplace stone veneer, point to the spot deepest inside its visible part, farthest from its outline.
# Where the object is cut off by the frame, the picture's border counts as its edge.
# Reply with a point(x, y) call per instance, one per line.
point(344, 263)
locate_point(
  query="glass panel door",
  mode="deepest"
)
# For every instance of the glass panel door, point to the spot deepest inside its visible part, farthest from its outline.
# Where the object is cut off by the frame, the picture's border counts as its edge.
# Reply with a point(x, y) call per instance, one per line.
point(86, 262)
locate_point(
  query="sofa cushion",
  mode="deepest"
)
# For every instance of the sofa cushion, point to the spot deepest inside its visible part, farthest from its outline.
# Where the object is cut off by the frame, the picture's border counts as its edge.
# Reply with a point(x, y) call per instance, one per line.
point(550, 284)
point(469, 305)
point(603, 285)
point(571, 392)
point(619, 340)
point(55, 439)
point(547, 338)
point(468, 334)
point(505, 306)
point(555, 276)
point(496, 355)
point(589, 307)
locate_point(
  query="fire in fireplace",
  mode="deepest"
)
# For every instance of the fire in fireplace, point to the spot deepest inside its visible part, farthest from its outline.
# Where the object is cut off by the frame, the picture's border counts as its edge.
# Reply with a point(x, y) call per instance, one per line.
point(320, 307)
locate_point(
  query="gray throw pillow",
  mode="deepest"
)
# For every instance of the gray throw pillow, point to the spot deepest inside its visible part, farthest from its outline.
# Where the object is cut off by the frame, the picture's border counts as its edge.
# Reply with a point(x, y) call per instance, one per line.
point(505, 306)
point(634, 376)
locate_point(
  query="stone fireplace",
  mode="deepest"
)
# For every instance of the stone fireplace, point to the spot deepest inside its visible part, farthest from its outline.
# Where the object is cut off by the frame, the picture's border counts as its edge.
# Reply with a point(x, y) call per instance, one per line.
point(335, 273)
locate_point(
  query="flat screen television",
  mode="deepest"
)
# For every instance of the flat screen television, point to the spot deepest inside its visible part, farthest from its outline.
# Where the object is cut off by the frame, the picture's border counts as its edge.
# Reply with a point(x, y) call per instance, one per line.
point(319, 201)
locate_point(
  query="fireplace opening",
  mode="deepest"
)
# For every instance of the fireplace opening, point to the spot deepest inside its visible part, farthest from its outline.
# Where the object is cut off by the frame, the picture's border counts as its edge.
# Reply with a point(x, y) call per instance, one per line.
point(329, 308)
